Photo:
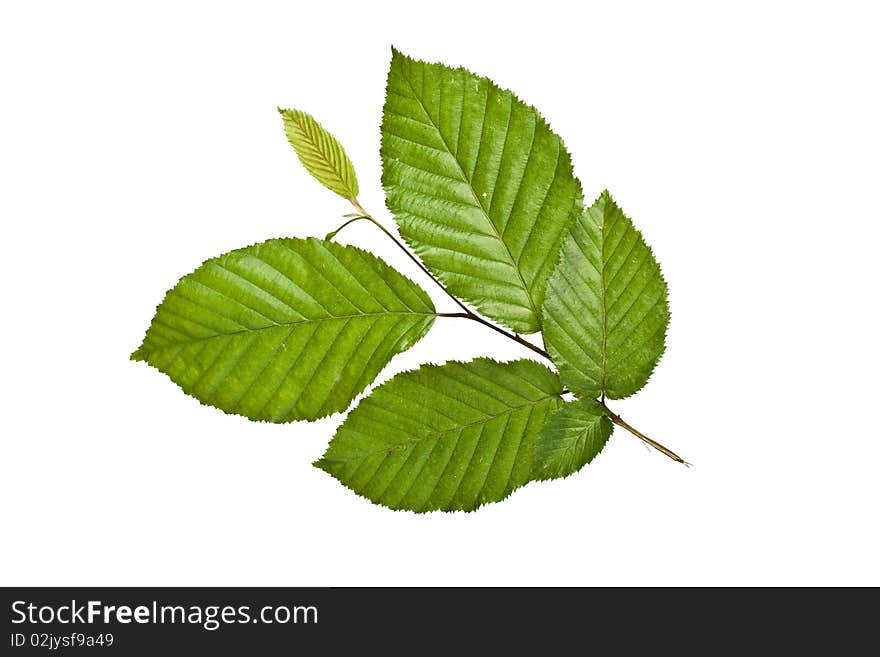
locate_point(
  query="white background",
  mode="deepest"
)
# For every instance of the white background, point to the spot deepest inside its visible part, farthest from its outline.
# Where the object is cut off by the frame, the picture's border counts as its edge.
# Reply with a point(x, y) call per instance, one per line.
point(744, 141)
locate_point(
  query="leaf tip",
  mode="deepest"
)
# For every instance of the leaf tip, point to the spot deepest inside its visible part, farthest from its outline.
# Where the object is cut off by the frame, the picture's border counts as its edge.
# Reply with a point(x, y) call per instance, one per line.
point(398, 57)
point(325, 465)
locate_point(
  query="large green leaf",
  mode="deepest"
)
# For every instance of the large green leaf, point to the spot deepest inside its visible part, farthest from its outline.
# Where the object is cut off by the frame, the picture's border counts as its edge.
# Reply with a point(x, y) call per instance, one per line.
point(288, 329)
point(320, 153)
point(606, 311)
point(481, 187)
point(449, 437)
point(571, 438)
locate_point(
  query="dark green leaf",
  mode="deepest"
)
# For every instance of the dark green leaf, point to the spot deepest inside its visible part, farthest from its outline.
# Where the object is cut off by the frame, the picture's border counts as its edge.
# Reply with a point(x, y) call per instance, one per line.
point(481, 187)
point(571, 438)
point(450, 437)
point(606, 312)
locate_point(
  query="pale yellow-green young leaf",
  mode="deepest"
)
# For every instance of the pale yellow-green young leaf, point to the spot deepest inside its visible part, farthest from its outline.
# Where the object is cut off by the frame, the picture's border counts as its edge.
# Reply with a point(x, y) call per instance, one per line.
point(320, 152)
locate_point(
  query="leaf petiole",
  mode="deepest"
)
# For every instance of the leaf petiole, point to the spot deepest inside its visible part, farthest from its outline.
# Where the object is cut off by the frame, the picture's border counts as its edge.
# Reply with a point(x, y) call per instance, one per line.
point(333, 233)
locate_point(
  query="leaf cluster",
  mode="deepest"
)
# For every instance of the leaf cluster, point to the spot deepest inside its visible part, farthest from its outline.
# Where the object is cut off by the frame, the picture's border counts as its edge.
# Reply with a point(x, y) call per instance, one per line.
point(485, 197)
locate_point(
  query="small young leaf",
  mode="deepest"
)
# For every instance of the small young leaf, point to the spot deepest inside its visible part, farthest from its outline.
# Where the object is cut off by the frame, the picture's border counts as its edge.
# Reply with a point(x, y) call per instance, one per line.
point(288, 329)
point(321, 154)
point(449, 437)
point(606, 312)
point(481, 187)
point(571, 438)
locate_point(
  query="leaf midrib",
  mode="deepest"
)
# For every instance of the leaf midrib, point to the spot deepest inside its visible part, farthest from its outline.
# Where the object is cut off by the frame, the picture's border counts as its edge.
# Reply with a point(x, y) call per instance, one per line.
point(473, 192)
point(179, 343)
point(323, 153)
point(603, 291)
point(436, 434)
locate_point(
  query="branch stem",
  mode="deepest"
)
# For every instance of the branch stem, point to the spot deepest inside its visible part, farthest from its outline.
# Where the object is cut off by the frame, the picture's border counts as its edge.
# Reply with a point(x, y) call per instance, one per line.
point(507, 334)
point(616, 419)
point(468, 314)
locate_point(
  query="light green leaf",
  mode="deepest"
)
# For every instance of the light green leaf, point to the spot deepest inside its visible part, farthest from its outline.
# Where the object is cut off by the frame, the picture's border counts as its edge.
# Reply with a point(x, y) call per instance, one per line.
point(288, 329)
point(571, 438)
point(606, 312)
point(321, 154)
point(481, 187)
point(449, 437)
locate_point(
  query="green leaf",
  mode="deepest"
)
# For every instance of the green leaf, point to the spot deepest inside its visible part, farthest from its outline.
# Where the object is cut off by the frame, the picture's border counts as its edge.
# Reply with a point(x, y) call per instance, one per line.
point(481, 187)
point(571, 438)
point(449, 437)
point(288, 329)
point(321, 154)
point(606, 311)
